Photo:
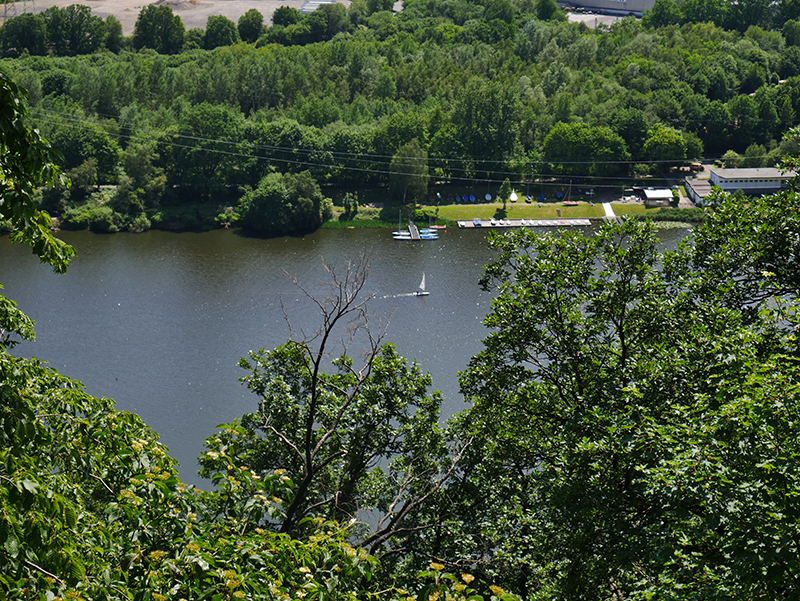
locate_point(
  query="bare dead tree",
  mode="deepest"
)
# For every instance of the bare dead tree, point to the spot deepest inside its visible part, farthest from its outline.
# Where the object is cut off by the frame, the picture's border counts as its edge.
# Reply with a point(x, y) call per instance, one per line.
point(345, 304)
point(351, 435)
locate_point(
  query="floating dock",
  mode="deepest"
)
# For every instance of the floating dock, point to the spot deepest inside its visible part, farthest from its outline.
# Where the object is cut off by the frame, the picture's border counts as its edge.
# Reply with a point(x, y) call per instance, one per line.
point(506, 223)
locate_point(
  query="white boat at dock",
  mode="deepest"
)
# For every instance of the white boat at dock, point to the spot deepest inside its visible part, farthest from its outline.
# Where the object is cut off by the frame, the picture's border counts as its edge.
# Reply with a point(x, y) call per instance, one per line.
point(414, 233)
point(506, 223)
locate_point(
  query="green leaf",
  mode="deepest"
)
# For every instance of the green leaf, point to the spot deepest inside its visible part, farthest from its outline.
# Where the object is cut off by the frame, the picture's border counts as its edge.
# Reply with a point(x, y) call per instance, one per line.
point(70, 516)
point(12, 547)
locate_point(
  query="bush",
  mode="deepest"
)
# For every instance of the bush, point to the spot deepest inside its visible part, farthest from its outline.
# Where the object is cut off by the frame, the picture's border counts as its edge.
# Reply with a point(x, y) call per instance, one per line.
point(685, 215)
point(139, 224)
point(98, 218)
point(106, 221)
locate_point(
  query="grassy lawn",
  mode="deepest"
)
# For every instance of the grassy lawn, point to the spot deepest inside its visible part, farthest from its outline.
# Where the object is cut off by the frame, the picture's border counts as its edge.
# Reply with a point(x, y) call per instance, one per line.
point(520, 211)
point(632, 209)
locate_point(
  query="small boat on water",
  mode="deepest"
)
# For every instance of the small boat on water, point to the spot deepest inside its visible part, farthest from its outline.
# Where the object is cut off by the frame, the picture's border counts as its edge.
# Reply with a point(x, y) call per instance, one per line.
point(421, 291)
point(412, 233)
point(423, 235)
point(401, 234)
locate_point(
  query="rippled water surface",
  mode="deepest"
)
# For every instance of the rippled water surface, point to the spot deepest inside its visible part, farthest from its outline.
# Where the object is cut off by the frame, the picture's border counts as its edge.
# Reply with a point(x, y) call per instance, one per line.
point(157, 321)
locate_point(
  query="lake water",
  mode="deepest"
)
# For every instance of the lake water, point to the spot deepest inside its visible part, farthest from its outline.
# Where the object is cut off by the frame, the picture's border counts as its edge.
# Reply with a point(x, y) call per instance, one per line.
point(158, 321)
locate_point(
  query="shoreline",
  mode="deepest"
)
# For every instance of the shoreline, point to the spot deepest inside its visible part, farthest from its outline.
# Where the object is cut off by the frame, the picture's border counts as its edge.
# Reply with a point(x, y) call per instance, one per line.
point(575, 218)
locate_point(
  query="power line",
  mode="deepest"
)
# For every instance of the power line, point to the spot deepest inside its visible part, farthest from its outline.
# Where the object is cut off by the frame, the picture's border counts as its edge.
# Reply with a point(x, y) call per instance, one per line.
point(370, 161)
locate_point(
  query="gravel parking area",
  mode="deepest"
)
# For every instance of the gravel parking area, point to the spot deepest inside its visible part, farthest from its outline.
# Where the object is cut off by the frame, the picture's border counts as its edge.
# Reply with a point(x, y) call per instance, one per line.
point(193, 13)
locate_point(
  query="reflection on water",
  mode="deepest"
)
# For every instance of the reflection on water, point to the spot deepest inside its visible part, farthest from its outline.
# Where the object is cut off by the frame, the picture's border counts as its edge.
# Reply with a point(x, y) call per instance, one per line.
point(158, 321)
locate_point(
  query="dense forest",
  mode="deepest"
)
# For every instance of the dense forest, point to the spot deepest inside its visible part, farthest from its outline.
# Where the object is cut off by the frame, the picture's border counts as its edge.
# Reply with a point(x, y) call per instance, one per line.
point(258, 124)
point(632, 430)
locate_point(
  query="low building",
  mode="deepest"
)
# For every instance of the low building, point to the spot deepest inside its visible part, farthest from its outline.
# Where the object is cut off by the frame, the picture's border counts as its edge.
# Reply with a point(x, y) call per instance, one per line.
point(655, 197)
point(612, 7)
point(697, 189)
point(753, 182)
point(311, 5)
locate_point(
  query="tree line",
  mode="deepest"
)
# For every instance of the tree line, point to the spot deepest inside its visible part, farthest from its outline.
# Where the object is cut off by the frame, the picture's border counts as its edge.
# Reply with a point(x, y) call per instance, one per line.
point(632, 433)
point(460, 91)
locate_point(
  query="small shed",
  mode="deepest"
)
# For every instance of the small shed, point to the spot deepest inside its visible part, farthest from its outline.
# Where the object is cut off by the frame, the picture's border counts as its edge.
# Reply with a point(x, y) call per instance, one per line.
point(656, 197)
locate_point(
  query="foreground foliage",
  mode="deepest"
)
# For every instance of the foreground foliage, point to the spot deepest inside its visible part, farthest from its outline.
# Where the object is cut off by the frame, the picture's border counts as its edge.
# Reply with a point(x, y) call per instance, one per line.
point(91, 506)
point(27, 161)
point(634, 434)
point(646, 424)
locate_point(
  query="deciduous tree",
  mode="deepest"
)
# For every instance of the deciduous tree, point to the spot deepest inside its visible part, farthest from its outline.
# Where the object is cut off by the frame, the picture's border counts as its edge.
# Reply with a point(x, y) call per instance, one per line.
point(665, 146)
point(284, 204)
point(611, 390)
point(546, 10)
point(408, 172)
point(158, 28)
point(204, 155)
point(574, 148)
point(220, 31)
point(250, 25)
point(663, 13)
point(487, 117)
point(348, 437)
point(26, 32)
point(74, 30)
point(114, 39)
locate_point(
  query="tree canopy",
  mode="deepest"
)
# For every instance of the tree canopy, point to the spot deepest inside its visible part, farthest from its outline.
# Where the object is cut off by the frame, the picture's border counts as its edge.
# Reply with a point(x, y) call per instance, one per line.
point(638, 398)
point(632, 430)
point(158, 28)
point(487, 92)
point(409, 168)
point(92, 506)
point(285, 204)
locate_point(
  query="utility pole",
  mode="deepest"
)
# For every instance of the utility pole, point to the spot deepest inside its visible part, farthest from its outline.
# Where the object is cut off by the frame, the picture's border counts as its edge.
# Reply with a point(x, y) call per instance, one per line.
point(10, 8)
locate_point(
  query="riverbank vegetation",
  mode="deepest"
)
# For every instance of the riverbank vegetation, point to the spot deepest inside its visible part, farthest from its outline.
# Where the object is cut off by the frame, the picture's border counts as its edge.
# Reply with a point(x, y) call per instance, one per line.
point(632, 433)
point(464, 93)
point(680, 215)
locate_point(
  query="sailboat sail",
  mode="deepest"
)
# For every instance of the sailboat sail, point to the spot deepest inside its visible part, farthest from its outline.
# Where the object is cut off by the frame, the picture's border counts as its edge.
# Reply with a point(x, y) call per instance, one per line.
point(421, 291)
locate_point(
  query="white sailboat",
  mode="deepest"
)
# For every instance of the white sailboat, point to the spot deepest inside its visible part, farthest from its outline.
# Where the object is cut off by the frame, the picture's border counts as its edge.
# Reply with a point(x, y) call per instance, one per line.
point(401, 234)
point(421, 291)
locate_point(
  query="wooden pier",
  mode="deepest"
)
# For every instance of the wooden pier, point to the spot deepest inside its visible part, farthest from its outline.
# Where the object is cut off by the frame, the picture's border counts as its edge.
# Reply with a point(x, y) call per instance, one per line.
point(507, 223)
